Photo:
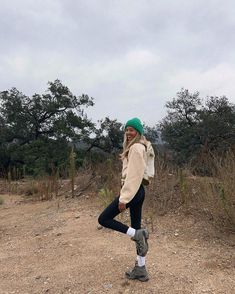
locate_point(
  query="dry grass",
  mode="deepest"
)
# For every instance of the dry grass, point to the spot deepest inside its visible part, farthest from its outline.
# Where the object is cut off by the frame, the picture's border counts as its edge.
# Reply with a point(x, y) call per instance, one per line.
point(171, 189)
point(220, 190)
point(108, 175)
point(211, 197)
point(42, 189)
point(1, 201)
point(164, 192)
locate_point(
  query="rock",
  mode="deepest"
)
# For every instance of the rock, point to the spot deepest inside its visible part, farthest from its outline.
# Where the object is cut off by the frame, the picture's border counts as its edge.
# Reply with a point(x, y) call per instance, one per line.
point(77, 216)
point(99, 227)
point(108, 286)
point(38, 277)
point(148, 221)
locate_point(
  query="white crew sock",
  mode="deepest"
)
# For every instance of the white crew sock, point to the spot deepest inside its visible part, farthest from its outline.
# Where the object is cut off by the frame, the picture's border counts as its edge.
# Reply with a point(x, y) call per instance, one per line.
point(131, 232)
point(141, 260)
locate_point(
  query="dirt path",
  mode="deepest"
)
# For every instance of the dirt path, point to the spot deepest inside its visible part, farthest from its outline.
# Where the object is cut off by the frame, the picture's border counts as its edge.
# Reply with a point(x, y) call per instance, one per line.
point(55, 247)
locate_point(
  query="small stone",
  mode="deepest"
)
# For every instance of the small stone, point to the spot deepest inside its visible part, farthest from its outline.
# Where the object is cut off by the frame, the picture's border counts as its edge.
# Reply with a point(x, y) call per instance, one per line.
point(99, 227)
point(108, 286)
point(176, 234)
point(77, 216)
point(58, 234)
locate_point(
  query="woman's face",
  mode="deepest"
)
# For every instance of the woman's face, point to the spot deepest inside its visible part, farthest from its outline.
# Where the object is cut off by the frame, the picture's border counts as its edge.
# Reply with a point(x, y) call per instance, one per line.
point(130, 133)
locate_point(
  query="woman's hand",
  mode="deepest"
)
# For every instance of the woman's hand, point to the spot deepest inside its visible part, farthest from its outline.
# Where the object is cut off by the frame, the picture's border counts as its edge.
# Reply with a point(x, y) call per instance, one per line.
point(121, 206)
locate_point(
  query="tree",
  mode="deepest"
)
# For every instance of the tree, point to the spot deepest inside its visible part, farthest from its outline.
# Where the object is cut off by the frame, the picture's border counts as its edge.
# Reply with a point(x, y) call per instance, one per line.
point(31, 125)
point(151, 133)
point(179, 127)
point(217, 124)
point(56, 114)
point(108, 136)
point(192, 127)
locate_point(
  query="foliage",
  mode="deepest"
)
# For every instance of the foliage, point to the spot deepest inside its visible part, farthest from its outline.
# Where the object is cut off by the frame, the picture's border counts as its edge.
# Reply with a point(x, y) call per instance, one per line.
point(32, 128)
point(193, 128)
point(106, 195)
point(108, 136)
point(151, 133)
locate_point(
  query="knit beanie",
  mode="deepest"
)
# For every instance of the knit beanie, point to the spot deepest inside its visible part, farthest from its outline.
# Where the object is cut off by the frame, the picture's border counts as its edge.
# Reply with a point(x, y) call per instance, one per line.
point(136, 124)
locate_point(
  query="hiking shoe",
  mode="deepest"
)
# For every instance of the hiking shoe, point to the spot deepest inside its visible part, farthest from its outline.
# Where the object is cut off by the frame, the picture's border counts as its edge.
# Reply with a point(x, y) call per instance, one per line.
point(138, 273)
point(140, 239)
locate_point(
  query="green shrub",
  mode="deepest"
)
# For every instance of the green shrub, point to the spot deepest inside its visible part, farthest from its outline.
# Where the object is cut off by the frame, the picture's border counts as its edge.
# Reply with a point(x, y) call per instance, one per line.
point(106, 195)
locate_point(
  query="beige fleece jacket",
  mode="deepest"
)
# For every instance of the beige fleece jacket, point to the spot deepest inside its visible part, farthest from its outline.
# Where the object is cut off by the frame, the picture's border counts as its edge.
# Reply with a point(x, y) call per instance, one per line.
point(132, 172)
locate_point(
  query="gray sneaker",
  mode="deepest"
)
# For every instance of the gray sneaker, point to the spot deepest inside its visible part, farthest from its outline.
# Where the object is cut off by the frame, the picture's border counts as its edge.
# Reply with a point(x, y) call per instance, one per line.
point(140, 238)
point(138, 273)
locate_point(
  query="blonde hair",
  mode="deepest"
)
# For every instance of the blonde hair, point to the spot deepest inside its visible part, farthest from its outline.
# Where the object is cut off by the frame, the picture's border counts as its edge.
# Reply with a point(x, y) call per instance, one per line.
point(126, 145)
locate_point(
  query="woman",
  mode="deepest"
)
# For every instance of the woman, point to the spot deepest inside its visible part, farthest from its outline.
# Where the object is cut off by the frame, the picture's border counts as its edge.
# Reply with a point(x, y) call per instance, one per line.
point(131, 196)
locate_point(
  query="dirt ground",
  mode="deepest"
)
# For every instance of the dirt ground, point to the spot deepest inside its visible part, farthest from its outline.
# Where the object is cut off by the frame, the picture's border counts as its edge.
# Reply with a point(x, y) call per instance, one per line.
point(56, 247)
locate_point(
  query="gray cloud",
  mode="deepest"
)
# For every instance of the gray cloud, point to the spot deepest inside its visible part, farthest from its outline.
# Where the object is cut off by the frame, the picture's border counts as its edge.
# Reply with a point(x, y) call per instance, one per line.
point(131, 56)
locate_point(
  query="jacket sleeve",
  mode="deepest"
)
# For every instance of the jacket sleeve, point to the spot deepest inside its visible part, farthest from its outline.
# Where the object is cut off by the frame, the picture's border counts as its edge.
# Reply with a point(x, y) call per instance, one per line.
point(135, 172)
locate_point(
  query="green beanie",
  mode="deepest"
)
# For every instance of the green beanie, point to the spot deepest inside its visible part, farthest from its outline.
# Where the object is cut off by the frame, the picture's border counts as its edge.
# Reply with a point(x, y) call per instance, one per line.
point(136, 124)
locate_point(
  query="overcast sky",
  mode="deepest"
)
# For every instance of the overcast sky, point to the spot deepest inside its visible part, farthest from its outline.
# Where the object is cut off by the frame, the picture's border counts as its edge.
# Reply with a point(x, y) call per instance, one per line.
point(130, 55)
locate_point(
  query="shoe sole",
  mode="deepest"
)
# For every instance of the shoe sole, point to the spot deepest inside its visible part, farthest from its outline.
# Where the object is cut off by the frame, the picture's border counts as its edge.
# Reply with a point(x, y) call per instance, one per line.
point(142, 279)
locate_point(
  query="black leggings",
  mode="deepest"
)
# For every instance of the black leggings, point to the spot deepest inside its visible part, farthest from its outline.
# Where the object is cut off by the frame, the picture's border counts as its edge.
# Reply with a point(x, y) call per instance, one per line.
point(106, 219)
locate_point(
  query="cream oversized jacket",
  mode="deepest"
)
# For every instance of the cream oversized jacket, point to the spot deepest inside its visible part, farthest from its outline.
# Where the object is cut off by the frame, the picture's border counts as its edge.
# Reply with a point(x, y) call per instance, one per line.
point(132, 172)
